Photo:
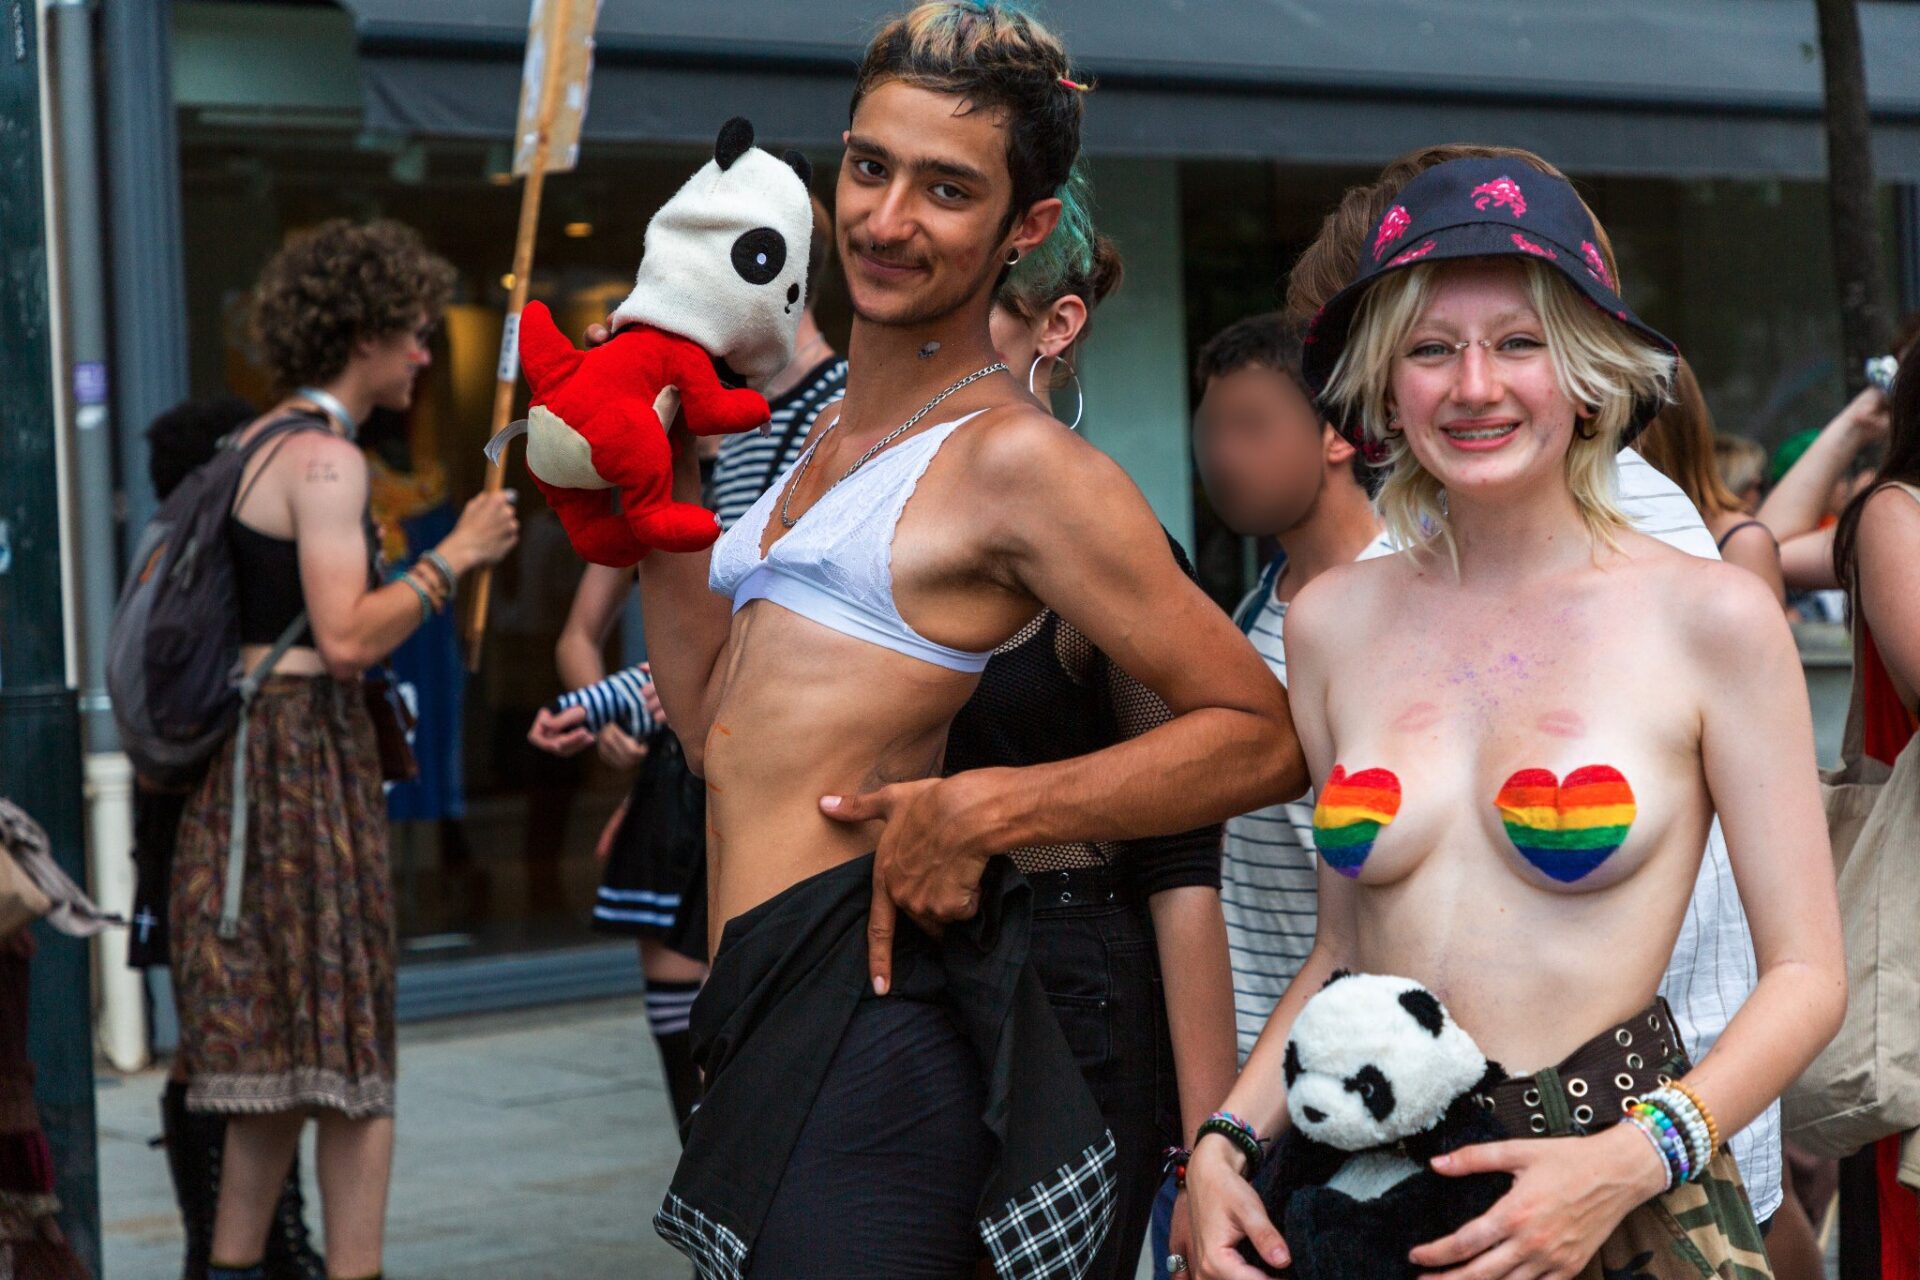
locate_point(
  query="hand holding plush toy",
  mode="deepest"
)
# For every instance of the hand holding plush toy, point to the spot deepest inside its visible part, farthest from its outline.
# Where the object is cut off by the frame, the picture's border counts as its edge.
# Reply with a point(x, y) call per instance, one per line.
point(720, 291)
point(1380, 1079)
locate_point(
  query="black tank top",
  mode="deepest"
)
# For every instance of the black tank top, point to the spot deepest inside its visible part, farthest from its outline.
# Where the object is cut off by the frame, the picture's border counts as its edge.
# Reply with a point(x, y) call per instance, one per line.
point(266, 574)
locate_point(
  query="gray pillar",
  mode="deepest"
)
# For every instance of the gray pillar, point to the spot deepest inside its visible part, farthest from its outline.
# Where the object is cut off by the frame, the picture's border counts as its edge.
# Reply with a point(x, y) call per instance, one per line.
point(1134, 367)
point(149, 317)
point(39, 718)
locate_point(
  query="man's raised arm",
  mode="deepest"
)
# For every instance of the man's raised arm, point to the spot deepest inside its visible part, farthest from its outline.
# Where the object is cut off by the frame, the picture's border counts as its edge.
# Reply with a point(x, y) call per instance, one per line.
point(686, 624)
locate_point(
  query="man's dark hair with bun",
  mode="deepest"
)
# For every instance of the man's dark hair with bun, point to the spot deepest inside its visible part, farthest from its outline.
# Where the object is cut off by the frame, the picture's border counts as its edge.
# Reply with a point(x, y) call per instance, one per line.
point(998, 58)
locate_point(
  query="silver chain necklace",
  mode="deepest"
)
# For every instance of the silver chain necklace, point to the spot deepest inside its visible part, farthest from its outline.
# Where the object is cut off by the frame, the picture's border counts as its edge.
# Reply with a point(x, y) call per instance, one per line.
point(787, 520)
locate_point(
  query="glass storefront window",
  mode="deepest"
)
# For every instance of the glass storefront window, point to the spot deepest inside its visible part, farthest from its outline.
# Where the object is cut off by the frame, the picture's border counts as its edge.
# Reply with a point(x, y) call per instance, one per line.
point(493, 847)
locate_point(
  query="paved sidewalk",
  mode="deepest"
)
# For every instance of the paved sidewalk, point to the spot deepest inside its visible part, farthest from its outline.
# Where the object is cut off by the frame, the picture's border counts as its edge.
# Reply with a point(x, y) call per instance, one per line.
point(532, 1145)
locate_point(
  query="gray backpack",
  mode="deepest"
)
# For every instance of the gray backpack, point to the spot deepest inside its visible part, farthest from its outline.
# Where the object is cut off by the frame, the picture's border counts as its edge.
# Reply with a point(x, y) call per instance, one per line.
point(174, 647)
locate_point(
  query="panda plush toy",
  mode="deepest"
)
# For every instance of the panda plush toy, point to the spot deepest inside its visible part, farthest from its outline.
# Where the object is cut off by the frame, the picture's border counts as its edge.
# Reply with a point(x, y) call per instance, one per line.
point(1379, 1081)
point(717, 301)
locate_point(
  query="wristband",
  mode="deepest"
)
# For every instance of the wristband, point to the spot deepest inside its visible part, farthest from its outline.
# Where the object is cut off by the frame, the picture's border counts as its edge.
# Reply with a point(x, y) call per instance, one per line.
point(1706, 1116)
point(439, 564)
point(426, 601)
point(1239, 1133)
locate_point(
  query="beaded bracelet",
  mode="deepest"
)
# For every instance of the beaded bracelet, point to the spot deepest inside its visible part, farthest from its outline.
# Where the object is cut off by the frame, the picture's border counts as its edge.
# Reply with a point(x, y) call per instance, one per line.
point(1173, 1164)
point(1236, 1131)
point(1692, 1125)
point(1706, 1116)
point(1690, 1138)
point(1660, 1126)
point(1647, 1131)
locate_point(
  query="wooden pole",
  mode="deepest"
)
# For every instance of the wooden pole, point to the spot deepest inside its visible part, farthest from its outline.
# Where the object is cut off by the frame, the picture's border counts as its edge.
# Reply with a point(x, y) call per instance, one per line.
point(481, 594)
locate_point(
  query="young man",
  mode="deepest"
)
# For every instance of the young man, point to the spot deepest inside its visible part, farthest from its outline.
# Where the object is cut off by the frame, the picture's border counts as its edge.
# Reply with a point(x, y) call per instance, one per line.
point(850, 1054)
point(1273, 467)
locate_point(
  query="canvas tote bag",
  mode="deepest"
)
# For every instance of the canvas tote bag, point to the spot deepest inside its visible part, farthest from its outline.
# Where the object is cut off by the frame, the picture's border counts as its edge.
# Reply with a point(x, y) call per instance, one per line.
point(1865, 1085)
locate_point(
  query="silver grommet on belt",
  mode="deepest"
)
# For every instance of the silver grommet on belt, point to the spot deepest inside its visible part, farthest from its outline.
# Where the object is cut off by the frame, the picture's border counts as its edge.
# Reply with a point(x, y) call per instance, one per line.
point(1538, 1124)
point(1577, 1087)
point(1664, 1080)
point(1531, 1097)
point(1626, 1103)
point(1065, 896)
point(1624, 1037)
point(1583, 1115)
point(1635, 1061)
point(1623, 1081)
point(1653, 1020)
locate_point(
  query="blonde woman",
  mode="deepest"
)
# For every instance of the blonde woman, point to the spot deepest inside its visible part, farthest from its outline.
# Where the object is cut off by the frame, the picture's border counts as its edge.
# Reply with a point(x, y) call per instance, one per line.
point(1555, 706)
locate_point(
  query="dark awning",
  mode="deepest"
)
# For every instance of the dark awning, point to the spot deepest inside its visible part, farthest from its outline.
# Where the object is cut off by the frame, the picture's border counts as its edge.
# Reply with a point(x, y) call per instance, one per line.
point(1659, 87)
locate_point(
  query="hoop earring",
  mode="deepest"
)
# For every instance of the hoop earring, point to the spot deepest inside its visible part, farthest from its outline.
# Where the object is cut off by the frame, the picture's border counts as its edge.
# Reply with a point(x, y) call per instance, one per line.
point(1583, 427)
point(1392, 431)
point(1079, 392)
point(1013, 257)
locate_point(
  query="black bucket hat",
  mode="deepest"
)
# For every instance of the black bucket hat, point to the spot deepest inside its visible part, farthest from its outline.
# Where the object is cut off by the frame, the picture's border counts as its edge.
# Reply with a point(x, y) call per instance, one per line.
point(1476, 207)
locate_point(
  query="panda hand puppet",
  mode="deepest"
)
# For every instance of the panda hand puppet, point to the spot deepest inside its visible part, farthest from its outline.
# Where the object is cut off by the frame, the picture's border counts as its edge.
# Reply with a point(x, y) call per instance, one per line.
point(718, 299)
point(1380, 1080)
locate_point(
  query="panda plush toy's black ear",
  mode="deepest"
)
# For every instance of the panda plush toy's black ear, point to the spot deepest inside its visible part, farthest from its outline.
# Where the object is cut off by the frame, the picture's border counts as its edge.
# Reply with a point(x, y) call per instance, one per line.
point(736, 136)
point(1335, 976)
point(798, 163)
point(1425, 1008)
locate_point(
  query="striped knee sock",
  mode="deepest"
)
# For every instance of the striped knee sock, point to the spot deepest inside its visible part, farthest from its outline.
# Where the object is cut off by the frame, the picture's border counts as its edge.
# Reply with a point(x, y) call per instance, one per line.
point(668, 1007)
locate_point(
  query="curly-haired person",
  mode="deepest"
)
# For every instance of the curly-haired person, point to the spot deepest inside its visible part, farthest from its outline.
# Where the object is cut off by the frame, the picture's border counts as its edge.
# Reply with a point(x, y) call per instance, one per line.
point(286, 1004)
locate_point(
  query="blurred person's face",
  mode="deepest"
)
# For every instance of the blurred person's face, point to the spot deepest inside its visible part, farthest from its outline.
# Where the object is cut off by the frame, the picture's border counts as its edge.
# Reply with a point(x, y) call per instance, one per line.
point(1474, 387)
point(1032, 348)
point(1263, 452)
point(921, 206)
point(394, 363)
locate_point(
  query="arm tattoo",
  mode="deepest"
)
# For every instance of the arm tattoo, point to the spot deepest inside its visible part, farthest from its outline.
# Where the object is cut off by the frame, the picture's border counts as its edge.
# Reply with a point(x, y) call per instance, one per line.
point(322, 471)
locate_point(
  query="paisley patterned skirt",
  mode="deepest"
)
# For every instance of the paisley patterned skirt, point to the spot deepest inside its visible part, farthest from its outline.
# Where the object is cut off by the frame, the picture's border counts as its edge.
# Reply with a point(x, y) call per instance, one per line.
point(296, 1012)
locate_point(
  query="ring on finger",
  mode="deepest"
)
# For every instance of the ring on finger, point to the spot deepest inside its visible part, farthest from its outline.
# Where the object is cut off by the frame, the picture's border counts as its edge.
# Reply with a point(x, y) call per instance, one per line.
point(1176, 1264)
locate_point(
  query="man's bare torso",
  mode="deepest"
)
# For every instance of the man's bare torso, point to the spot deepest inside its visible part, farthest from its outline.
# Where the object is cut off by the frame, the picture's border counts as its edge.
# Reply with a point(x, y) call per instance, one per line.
point(803, 711)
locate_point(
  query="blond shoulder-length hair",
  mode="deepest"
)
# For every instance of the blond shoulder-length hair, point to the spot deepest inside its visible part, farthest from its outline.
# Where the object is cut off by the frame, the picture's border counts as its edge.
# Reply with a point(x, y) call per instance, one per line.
point(1598, 363)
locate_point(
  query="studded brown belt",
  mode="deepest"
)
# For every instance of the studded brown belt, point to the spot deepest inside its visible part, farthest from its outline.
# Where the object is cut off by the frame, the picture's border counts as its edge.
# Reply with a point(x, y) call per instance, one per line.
point(1598, 1081)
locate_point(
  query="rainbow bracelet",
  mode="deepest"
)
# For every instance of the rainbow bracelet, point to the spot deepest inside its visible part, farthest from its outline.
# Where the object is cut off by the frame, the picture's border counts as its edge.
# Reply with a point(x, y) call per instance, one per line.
point(1647, 1130)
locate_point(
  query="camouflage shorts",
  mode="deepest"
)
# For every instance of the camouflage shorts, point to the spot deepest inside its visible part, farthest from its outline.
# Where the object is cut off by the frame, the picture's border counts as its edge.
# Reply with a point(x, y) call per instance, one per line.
point(1698, 1231)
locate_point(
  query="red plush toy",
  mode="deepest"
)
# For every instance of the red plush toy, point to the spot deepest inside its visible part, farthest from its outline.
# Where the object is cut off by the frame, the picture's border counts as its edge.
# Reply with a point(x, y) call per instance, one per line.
point(718, 292)
point(599, 422)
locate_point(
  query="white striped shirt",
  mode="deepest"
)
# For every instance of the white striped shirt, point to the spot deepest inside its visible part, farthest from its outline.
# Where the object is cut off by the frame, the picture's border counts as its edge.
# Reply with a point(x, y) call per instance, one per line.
point(1268, 894)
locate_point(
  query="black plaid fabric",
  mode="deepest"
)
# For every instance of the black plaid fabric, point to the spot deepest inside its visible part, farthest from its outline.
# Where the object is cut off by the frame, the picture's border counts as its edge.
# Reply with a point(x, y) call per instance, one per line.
point(786, 980)
point(716, 1252)
point(1054, 1230)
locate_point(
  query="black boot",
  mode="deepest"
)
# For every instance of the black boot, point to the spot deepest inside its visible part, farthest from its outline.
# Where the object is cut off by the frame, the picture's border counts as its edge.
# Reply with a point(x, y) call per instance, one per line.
point(290, 1254)
point(194, 1144)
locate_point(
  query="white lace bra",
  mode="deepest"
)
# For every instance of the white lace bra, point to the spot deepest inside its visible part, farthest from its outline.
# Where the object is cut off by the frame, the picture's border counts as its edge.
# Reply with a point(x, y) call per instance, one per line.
point(835, 566)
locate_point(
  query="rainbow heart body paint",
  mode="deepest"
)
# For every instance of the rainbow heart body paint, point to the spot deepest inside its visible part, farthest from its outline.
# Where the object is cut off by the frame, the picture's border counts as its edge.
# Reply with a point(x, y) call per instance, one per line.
point(1351, 810)
point(1566, 829)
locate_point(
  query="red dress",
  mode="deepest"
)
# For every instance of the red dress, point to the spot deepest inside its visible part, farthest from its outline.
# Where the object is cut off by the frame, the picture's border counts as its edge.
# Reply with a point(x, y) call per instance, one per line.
point(1888, 726)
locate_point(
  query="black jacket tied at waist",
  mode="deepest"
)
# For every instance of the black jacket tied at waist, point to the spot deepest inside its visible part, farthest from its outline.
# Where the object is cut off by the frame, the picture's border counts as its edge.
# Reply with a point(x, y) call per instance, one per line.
point(786, 980)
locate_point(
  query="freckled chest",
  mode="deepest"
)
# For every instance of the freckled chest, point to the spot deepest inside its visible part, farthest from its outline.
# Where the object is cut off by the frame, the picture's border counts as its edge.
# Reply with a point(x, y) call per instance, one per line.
point(1519, 729)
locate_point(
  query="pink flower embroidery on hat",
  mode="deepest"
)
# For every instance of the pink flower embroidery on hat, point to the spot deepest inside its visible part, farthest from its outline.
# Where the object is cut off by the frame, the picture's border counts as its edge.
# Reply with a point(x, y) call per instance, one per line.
point(1392, 227)
point(1411, 254)
point(1596, 265)
point(1527, 246)
point(1501, 191)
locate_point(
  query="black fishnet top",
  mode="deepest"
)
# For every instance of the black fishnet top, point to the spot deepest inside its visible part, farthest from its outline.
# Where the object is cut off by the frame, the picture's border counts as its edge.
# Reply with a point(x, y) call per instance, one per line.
point(1048, 694)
